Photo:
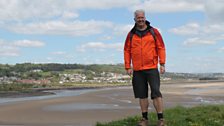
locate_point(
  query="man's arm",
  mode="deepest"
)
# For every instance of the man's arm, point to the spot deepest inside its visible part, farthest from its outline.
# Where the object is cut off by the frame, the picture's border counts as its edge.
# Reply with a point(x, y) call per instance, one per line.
point(127, 52)
point(161, 51)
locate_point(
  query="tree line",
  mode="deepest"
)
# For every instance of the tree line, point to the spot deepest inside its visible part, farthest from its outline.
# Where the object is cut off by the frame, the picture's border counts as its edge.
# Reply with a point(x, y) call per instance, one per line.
point(12, 70)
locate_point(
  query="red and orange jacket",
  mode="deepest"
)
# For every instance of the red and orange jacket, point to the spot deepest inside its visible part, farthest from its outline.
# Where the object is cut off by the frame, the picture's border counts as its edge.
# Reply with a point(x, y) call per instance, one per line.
point(143, 51)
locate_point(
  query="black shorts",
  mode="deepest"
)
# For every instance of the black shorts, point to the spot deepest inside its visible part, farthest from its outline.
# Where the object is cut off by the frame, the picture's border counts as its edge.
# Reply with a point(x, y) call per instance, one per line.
point(140, 82)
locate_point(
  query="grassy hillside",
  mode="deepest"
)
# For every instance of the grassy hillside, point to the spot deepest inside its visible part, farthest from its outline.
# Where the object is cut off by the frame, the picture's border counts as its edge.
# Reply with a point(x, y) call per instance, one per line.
point(212, 115)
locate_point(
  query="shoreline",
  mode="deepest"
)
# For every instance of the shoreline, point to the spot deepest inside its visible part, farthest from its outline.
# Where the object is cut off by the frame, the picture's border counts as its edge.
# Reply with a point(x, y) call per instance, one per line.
point(16, 94)
point(47, 91)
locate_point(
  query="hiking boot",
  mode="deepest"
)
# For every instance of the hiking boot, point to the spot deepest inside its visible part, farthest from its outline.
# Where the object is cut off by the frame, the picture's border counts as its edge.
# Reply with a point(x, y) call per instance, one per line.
point(161, 123)
point(143, 122)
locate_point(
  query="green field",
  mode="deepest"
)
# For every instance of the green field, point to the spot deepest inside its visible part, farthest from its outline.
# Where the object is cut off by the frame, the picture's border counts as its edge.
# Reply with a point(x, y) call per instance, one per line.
point(212, 115)
point(15, 87)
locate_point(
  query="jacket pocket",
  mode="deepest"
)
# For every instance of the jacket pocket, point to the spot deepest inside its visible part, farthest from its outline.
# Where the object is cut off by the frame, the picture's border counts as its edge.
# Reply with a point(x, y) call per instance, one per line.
point(136, 59)
point(148, 58)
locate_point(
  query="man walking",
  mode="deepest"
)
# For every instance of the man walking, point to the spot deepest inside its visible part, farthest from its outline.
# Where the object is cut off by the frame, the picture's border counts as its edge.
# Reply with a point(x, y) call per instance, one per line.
point(144, 48)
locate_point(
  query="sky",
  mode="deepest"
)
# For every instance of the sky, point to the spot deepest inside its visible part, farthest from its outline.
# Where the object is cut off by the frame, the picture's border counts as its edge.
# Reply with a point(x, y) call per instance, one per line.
point(94, 31)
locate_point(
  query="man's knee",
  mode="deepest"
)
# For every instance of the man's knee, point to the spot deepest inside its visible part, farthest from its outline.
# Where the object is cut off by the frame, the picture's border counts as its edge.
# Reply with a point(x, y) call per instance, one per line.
point(156, 94)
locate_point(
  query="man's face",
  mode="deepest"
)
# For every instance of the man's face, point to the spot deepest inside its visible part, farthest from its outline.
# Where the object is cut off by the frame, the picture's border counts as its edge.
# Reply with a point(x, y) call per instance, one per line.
point(140, 19)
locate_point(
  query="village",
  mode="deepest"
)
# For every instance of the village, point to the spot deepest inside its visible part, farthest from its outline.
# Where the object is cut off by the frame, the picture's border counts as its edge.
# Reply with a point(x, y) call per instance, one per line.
point(105, 77)
point(62, 78)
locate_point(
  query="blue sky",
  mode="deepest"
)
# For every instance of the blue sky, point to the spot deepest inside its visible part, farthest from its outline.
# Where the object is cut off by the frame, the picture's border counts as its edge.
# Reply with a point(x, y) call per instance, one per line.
point(94, 31)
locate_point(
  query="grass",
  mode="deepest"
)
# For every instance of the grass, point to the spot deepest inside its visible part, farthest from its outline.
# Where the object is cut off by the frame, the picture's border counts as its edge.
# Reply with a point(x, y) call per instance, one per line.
point(15, 87)
point(212, 115)
point(21, 87)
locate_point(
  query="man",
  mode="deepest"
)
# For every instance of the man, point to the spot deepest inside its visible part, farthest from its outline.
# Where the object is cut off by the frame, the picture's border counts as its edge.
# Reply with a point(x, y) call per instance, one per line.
point(144, 48)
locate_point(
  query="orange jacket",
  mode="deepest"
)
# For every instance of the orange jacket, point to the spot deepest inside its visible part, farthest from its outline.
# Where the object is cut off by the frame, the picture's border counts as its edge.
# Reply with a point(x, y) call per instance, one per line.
point(143, 52)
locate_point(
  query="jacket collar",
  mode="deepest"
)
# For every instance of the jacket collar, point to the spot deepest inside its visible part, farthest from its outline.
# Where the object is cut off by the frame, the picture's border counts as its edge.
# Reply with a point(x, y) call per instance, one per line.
point(147, 23)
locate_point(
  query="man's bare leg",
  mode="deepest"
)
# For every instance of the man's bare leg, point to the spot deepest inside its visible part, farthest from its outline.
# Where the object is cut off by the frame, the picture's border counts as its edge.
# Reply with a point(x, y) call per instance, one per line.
point(144, 103)
point(158, 104)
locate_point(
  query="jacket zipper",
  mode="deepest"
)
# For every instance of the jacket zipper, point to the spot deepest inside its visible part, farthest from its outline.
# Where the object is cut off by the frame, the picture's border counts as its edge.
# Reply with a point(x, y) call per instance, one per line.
point(141, 52)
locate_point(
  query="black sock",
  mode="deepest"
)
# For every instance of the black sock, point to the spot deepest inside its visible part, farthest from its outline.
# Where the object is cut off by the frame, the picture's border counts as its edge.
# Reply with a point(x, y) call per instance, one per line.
point(160, 116)
point(145, 115)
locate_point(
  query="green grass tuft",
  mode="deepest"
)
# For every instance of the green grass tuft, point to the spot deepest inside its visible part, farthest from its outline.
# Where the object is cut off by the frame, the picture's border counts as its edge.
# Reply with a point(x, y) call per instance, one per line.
point(212, 115)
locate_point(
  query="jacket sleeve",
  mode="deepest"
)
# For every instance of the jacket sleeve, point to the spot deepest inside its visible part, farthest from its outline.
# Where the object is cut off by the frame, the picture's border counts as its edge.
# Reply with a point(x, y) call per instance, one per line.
point(127, 52)
point(160, 47)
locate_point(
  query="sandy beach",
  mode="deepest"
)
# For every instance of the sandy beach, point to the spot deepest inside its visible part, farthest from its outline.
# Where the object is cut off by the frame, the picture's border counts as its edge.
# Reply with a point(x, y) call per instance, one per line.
point(86, 107)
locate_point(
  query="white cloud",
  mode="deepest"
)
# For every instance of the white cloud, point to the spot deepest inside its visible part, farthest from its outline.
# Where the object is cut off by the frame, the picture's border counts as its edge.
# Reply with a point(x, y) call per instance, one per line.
point(44, 9)
point(25, 9)
point(105, 37)
point(69, 15)
point(198, 41)
point(214, 9)
point(100, 4)
point(13, 48)
point(211, 31)
point(221, 49)
point(8, 50)
point(221, 37)
point(122, 29)
point(213, 28)
point(99, 46)
point(74, 28)
point(166, 6)
point(200, 34)
point(16, 10)
point(58, 53)
point(28, 43)
point(197, 29)
point(188, 29)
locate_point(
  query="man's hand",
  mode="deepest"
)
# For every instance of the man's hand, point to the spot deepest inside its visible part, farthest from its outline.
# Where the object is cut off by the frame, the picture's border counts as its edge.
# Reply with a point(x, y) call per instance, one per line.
point(129, 72)
point(162, 69)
